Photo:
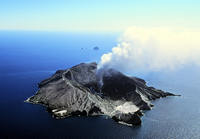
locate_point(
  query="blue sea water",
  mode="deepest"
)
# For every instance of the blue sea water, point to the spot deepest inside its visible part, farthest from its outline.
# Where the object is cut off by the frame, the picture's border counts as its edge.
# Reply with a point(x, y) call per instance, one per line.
point(26, 58)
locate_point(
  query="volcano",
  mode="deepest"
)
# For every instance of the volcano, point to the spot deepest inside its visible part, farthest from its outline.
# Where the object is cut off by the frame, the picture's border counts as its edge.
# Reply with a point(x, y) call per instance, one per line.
point(84, 90)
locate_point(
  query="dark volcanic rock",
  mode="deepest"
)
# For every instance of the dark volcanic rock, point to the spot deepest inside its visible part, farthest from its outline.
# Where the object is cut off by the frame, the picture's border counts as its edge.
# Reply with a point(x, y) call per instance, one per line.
point(81, 90)
point(128, 118)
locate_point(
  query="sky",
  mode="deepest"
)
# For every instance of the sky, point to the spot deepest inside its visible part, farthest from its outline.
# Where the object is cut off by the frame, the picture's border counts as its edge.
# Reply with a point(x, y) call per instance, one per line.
point(97, 15)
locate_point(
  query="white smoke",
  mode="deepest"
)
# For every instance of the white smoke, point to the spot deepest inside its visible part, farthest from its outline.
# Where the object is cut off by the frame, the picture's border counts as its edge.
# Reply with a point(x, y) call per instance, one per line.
point(153, 49)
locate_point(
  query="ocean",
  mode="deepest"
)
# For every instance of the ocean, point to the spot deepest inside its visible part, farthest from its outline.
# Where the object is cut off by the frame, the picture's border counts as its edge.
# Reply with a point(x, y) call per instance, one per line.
point(27, 57)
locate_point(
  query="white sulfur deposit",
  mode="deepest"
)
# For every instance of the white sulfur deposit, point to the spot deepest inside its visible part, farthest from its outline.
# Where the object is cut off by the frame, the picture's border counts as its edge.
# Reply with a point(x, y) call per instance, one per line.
point(127, 107)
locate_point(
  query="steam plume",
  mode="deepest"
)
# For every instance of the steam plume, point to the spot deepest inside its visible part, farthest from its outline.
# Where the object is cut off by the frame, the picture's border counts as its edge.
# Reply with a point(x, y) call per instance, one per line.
point(153, 49)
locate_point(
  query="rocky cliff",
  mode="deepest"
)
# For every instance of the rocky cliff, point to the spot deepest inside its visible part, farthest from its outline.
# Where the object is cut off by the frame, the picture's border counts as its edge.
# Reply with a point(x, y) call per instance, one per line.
point(82, 90)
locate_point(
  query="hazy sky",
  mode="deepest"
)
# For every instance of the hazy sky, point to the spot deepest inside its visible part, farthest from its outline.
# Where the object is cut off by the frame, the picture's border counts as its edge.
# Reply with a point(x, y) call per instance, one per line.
point(97, 15)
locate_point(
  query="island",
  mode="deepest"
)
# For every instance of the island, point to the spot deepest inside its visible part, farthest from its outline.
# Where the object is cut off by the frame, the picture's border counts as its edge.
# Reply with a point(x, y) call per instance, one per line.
point(84, 90)
point(96, 48)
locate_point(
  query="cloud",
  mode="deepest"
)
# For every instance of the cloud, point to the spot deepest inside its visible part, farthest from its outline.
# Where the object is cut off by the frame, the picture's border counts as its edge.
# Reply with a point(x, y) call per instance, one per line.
point(153, 49)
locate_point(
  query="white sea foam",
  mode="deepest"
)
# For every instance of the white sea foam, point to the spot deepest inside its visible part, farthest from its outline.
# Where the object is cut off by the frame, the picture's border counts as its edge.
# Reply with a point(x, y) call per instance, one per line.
point(120, 122)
